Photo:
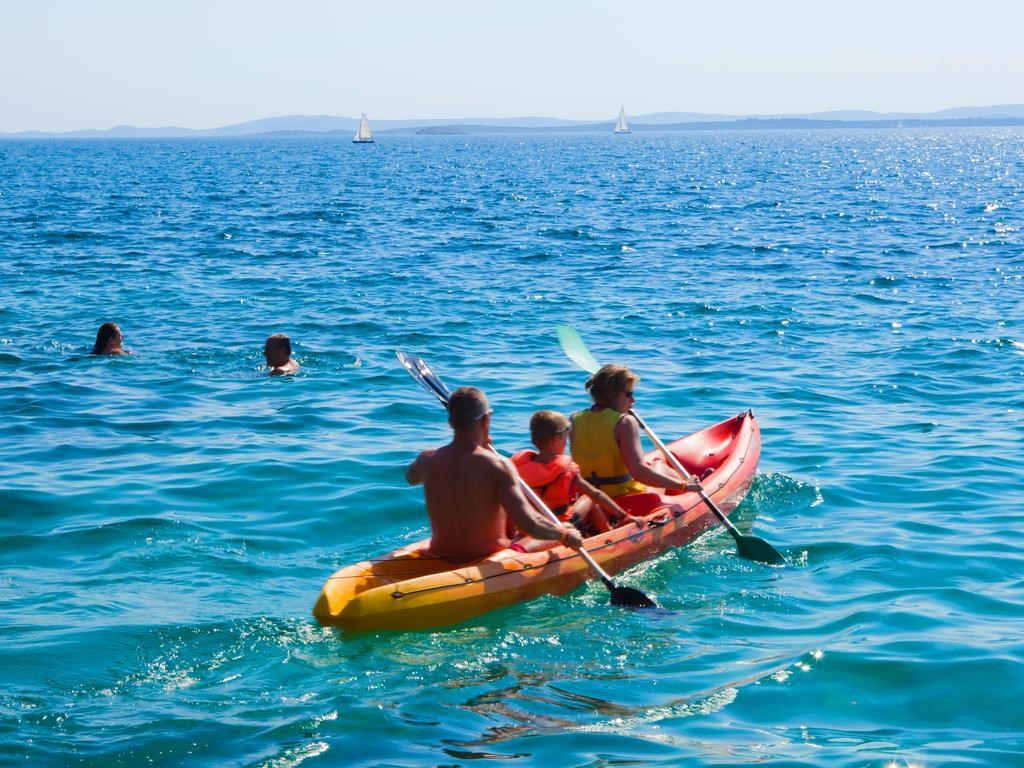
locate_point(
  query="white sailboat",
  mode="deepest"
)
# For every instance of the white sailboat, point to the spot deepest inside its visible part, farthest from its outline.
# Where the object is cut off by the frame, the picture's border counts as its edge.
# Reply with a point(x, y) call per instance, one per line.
point(622, 126)
point(363, 135)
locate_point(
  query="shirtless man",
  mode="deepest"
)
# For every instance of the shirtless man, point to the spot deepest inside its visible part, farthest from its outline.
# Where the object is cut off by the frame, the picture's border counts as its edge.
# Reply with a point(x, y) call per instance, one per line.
point(278, 351)
point(469, 489)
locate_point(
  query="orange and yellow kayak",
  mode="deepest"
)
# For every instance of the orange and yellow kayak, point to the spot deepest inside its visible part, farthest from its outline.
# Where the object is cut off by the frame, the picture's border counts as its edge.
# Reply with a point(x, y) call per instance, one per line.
point(411, 589)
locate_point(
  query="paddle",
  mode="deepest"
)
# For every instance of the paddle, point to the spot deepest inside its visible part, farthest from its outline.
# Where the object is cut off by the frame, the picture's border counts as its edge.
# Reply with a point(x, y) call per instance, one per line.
point(750, 547)
point(620, 595)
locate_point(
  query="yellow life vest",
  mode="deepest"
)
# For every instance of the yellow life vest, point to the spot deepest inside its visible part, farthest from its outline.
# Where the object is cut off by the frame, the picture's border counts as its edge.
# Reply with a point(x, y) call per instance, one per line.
point(597, 452)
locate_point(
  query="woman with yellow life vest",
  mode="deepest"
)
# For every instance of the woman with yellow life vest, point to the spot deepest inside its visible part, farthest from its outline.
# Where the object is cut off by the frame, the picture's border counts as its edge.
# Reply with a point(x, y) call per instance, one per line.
point(555, 478)
point(606, 439)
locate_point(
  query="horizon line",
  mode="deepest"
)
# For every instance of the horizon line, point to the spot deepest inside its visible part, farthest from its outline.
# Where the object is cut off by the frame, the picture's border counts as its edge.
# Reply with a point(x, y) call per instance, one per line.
point(1013, 111)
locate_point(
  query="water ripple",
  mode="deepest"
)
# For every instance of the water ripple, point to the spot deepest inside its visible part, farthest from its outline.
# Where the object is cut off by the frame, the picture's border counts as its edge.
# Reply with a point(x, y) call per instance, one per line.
point(167, 517)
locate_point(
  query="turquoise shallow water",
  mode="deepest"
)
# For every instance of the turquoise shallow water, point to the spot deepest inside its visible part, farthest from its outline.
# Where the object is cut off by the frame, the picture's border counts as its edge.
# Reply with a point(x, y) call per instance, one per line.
point(167, 519)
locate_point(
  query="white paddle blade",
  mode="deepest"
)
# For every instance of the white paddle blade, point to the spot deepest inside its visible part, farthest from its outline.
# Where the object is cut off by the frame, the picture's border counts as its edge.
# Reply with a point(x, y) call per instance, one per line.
point(576, 349)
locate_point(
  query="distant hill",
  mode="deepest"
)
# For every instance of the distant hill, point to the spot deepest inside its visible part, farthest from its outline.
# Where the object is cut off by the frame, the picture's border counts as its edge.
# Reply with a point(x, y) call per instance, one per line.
point(859, 115)
point(328, 126)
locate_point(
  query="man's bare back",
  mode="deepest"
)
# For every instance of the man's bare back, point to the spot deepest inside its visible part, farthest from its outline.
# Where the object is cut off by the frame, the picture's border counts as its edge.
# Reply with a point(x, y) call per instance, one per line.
point(469, 489)
point(460, 484)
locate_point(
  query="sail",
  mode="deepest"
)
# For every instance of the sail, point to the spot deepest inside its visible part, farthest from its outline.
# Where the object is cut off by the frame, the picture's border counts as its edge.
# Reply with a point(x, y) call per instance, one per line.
point(622, 126)
point(363, 135)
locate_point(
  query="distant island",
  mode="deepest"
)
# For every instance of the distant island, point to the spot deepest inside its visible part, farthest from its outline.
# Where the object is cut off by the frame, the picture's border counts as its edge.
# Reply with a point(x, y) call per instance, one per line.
point(329, 127)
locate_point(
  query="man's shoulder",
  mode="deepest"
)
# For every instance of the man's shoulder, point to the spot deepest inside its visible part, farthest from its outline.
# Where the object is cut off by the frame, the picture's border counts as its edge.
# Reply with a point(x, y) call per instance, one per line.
point(495, 461)
point(486, 454)
point(451, 451)
point(454, 460)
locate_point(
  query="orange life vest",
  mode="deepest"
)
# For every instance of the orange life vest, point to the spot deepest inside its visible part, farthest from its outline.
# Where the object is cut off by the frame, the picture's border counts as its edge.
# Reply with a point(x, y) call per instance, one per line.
point(551, 481)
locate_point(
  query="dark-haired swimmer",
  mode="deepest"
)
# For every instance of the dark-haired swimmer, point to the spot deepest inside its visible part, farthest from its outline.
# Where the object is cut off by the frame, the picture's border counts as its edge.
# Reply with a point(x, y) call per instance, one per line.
point(278, 352)
point(109, 340)
point(469, 489)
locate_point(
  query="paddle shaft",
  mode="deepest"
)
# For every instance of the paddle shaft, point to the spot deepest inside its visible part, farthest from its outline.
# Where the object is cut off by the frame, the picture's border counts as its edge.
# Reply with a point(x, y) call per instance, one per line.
point(678, 466)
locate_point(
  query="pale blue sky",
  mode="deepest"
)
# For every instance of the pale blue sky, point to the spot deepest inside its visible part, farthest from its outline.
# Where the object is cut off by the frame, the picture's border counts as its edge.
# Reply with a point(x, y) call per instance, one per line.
point(206, 63)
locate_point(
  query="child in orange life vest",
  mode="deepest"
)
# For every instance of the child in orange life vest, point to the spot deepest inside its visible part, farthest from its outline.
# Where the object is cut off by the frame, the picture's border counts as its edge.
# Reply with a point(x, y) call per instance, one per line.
point(556, 479)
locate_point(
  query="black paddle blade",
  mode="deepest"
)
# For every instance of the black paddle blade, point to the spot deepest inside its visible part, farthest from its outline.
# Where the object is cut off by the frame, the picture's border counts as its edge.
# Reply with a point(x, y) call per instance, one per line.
point(753, 548)
point(627, 597)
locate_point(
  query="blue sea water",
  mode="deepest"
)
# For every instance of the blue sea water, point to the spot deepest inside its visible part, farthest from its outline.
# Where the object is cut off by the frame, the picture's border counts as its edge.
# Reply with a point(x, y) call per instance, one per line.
point(168, 518)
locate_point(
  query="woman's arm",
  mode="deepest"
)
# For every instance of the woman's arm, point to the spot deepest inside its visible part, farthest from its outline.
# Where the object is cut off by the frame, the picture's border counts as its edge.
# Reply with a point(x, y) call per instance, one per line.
point(627, 433)
point(604, 501)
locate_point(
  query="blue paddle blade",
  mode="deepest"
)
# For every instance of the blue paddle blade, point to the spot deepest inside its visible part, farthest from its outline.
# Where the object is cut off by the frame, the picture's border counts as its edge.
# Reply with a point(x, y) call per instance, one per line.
point(426, 378)
point(433, 379)
point(576, 349)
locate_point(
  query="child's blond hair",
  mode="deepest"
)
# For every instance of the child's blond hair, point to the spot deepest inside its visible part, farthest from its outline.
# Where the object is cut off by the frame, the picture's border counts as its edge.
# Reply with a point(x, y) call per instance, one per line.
point(545, 425)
